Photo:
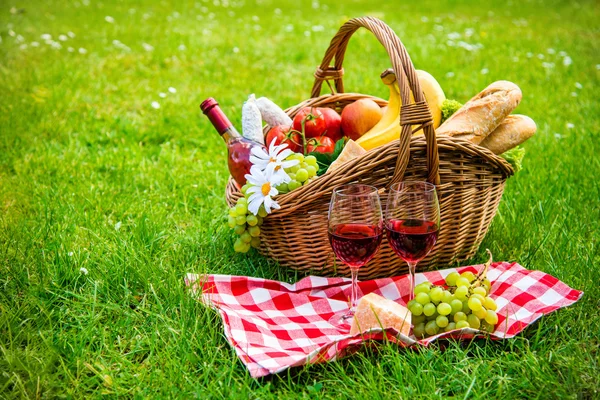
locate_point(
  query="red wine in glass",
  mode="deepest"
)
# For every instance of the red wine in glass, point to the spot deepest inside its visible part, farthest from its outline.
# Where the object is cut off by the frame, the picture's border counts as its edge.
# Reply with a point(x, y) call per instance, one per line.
point(355, 244)
point(412, 239)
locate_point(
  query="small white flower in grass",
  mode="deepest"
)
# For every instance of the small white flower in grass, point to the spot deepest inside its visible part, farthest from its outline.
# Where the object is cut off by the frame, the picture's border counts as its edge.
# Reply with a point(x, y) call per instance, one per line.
point(82, 50)
point(453, 35)
point(551, 51)
point(570, 125)
point(567, 61)
point(288, 28)
point(147, 47)
point(162, 95)
point(424, 19)
point(598, 66)
point(529, 54)
point(70, 254)
point(515, 59)
point(172, 90)
point(557, 136)
point(70, 49)
point(236, 50)
point(155, 105)
point(541, 56)
point(11, 33)
point(118, 226)
point(46, 36)
point(438, 28)
point(63, 38)
point(274, 162)
point(573, 94)
point(262, 191)
point(548, 65)
point(83, 270)
point(484, 71)
point(469, 32)
point(23, 46)
point(182, 47)
point(19, 39)
point(70, 34)
point(449, 74)
point(255, 18)
point(277, 11)
point(307, 33)
point(578, 85)
point(109, 19)
point(318, 28)
point(34, 44)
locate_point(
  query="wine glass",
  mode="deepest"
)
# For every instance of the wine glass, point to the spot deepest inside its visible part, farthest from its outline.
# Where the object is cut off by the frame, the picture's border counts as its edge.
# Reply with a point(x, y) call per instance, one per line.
point(355, 228)
point(412, 222)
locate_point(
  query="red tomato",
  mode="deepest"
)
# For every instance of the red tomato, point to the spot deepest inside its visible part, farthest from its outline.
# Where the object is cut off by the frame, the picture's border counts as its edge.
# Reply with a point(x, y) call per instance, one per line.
point(282, 134)
point(323, 144)
point(333, 121)
point(314, 122)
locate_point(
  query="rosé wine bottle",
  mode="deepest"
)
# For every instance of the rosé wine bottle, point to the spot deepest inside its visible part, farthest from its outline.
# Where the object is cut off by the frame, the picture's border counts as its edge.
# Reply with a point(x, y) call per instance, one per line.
point(238, 147)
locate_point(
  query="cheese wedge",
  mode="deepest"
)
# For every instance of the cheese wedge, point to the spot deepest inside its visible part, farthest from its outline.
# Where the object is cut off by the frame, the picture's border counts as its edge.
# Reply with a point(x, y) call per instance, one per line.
point(374, 311)
point(351, 150)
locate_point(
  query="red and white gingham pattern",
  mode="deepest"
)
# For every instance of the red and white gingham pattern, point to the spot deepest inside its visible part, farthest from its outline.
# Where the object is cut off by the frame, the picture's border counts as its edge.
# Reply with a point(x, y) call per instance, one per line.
point(273, 325)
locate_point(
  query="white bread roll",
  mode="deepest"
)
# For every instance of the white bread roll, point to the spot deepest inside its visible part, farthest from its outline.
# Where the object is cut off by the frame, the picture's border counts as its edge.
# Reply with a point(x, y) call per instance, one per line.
point(514, 130)
point(374, 311)
point(483, 113)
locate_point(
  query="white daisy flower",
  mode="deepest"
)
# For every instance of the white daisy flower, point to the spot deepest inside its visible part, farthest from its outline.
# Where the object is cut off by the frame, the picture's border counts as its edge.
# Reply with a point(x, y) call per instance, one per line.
point(262, 191)
point(273, 163)
point(83, 270)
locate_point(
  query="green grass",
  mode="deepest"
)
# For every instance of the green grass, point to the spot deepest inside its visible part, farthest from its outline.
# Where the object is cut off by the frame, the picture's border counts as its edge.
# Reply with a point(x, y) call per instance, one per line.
point(91, 176)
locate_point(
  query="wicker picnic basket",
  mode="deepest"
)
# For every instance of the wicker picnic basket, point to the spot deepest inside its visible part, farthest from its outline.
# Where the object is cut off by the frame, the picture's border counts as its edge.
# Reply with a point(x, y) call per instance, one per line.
point(470, 179)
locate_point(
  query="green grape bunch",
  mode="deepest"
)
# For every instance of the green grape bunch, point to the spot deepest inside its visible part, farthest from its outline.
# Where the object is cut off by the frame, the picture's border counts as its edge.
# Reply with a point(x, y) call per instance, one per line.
point(464, 302)
point(245, 224)
point(300, 174)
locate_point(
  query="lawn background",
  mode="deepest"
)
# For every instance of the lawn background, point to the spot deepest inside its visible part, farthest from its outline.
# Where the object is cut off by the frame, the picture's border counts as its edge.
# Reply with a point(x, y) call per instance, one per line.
point(92, 176)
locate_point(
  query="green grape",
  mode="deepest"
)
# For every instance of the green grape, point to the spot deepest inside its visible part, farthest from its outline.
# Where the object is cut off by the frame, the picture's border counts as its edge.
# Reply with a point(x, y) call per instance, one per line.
point(238, 246)
point(450, 327)
point(490, 304)
point(246, 247)
point(410, 304)
point(422, 298)
point(474, 304)
point(486, 327)
point(444, 308)
point(293, 185)
point(481, 313)
point(240, 219)
point(431, 328)
point(245, 188)
point(232, 212)
point(462, 324)
point(480, 291)
point(478, 297)
point(254, 231)
point(419, 330)
point(300, 157)
point(436, 294)
point(422, 288)
point(242, 200)
point(447, 297)
point(491, 317)
point(255, 242)
point(429, 309)
point(246, 238)
point(451, 278)
point(302, 175)
point(461, 293)
point(462, 281)
point(460, 316)
point(466, 308)
point(487, 284)
point(311, 160)
point(469, 275)
point(416, 309)
point(473, 321)
point(262, 212)
point(417, 319)
point(456, 305)
point(294, 169)
point(292, 176)
point(260, 220)
point(241, 209)
point(312, 171)
point(231, 221)
point(239, 229)
point(252, 220)
point(442, 321)
point(282, 188)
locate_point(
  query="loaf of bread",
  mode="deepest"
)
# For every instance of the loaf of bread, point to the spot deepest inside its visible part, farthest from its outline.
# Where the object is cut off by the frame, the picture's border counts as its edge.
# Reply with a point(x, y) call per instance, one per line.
point(374, 311)
point(481, 115)
point(514, 130)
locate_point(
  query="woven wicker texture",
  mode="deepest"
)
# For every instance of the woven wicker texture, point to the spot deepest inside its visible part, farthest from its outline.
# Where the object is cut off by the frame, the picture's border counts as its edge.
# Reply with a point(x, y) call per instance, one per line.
point(470, 179)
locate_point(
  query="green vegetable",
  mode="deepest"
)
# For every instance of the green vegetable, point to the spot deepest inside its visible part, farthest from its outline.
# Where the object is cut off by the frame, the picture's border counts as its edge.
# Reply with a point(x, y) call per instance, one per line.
point(449, 107)
point(324, 160)
point(514, 157)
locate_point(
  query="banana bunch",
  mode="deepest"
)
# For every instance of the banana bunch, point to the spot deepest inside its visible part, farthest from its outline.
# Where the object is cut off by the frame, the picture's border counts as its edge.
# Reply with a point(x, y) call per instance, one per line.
point(388, 128)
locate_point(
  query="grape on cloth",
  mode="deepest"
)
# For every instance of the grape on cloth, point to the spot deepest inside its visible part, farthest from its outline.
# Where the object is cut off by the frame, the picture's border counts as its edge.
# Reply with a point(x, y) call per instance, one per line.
point(274, 325)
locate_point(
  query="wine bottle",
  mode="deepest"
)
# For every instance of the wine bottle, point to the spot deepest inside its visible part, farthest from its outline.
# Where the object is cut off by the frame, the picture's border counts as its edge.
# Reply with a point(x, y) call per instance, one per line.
point(238, 147)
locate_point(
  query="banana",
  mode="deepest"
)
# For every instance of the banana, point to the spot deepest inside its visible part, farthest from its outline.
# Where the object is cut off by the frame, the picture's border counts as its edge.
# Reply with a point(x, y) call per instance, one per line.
point(392, 113)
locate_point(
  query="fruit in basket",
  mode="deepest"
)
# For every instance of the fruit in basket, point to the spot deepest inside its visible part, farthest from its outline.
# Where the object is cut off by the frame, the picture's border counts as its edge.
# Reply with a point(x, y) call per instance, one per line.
point(311, 121)
point(434, 95)
point(359, 117)
point(285, 134)
point(323, 144)
point(300, 174)
point(333, 120)
point(465, 303)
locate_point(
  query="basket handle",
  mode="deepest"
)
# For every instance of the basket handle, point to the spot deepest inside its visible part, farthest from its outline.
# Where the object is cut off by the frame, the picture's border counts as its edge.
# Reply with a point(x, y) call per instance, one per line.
point(416, 113)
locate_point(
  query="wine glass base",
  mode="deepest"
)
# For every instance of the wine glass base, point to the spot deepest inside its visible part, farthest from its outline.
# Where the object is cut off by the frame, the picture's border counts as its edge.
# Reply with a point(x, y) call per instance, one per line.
point(342, 321)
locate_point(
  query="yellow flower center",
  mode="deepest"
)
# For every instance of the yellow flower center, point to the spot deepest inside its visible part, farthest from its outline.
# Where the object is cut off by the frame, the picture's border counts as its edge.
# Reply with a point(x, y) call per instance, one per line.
point(265, 188)
point(272, 159)
point(277, 168)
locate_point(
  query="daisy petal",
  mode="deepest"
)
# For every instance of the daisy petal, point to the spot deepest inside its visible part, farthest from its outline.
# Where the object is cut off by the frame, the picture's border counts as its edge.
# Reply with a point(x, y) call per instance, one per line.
point(253, 206)
point(259, 152)
point(290, 163)
point(284, 154)
point(267, 204)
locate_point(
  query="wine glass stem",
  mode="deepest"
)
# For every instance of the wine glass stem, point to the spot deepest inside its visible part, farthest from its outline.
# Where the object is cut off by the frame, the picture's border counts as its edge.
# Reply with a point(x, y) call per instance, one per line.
point(412, 267)
point(354, 291)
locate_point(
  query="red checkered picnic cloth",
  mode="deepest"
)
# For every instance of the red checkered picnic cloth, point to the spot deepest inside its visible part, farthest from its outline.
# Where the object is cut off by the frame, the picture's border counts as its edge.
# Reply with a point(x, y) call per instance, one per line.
point(274, 325)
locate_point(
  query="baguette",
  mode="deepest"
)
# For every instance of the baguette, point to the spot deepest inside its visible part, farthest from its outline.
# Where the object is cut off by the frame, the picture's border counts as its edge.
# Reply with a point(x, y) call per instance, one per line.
point(483, 113)
point(513, 131)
